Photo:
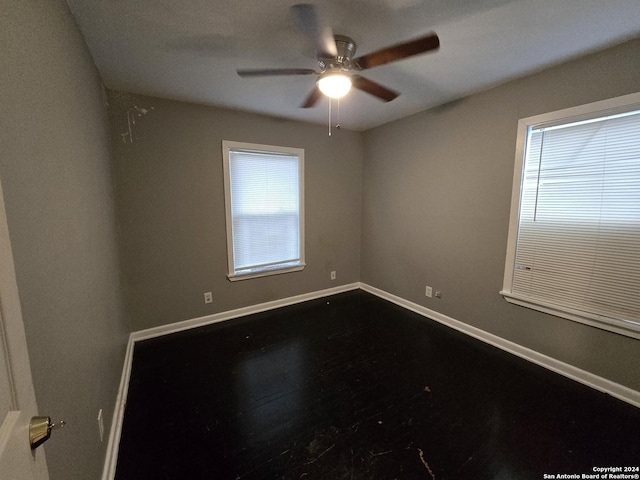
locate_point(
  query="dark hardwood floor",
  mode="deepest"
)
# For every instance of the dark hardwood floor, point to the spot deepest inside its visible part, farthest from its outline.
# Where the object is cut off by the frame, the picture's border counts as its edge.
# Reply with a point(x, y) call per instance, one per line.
point(354, 387)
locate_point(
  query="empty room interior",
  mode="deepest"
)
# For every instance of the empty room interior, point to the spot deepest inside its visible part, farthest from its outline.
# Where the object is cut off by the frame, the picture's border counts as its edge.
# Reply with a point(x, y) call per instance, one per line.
point(409, 327)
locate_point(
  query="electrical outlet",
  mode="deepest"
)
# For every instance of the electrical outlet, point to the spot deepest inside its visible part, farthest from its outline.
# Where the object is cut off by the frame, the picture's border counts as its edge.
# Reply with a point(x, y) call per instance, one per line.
point(428, 291)
point(208, 297)
point(438, 294)
point(333, 275)
point(100, 425)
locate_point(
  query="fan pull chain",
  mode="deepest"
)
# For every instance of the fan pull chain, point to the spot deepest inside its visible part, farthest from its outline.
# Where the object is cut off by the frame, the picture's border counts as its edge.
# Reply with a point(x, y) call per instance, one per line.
point(329, 116)
point(337, 114)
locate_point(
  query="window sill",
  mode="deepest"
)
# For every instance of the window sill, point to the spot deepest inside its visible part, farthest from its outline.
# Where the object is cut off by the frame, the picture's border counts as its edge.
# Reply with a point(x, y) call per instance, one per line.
point(234, 277)
point(626, 328)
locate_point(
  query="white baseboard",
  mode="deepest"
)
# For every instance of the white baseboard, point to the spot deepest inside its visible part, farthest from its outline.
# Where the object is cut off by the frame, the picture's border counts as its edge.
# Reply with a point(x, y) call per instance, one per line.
point(594, 381)
point(111, 457)
point(240, 312)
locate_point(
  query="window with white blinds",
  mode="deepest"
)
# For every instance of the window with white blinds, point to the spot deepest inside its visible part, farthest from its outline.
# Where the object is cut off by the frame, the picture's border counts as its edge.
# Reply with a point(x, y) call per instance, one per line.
point(576, 251)
point(264, 209)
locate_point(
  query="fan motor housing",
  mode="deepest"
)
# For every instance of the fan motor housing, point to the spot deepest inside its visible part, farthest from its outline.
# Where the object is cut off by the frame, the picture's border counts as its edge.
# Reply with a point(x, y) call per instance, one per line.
point(346, 48)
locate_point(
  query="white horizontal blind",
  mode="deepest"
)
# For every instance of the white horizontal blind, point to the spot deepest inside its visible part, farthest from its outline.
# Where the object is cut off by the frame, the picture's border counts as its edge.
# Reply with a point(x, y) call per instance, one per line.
point(578, 244)
point(265, 210)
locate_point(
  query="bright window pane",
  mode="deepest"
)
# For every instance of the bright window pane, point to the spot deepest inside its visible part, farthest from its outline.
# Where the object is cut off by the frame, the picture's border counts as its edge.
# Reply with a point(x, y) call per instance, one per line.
point(264, 204)
point(578, 232)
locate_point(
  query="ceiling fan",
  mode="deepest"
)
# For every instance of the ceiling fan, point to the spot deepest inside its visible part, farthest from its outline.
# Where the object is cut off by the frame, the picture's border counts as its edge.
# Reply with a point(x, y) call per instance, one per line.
point(336, 65)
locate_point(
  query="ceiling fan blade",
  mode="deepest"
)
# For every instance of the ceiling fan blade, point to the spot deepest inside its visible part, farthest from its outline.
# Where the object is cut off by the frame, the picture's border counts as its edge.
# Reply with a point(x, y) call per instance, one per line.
point(403, 50)
point(373, 88)
point(312, 99)
point(270, 72)
point(306, 19)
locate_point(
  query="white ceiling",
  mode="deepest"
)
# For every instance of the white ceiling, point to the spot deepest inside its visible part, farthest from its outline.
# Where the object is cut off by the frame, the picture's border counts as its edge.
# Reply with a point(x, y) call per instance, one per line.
point(190, 49)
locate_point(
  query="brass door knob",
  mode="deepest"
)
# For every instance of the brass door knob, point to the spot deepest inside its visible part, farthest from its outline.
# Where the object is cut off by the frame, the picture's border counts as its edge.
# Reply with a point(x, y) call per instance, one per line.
point(40, 430)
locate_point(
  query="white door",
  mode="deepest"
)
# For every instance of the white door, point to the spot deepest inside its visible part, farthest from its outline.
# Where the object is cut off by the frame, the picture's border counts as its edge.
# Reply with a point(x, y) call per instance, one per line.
point(17, 398)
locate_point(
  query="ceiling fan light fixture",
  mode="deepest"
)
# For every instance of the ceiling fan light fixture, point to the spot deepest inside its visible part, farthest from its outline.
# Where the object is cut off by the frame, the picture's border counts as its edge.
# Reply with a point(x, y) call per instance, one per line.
point(334, 85)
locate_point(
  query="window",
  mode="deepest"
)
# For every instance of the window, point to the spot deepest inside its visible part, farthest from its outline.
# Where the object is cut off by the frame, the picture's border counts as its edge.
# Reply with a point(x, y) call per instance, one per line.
point(265, 209)
point(574, 236)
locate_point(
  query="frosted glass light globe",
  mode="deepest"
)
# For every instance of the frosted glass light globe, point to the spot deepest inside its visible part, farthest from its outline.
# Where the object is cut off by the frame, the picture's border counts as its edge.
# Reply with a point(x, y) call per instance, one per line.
point(334, 85)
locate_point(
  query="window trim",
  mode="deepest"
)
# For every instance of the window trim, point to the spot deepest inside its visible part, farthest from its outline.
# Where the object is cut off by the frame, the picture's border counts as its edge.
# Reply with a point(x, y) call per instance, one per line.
point(228, 145)
point(600, 108)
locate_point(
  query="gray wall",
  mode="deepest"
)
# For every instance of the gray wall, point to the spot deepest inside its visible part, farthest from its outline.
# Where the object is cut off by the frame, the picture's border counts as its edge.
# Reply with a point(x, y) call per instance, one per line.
point(55, 174)
point(436, 200)
point(170, 204)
